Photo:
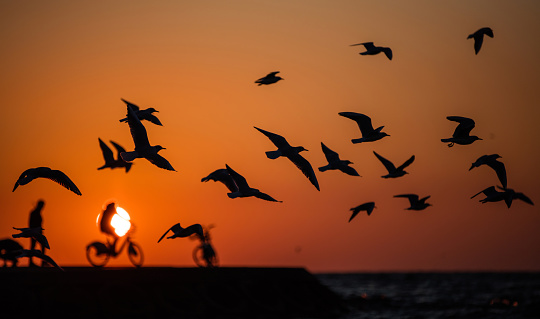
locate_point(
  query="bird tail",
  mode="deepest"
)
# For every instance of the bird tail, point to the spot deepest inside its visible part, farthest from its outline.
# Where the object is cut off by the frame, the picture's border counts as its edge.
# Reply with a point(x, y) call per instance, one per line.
point(273, 154)
point(129, 156)
point(357, 140)
point(17, 235)
point(128, 166)
point(232, 195)
point(323, 168)
point(446, 140)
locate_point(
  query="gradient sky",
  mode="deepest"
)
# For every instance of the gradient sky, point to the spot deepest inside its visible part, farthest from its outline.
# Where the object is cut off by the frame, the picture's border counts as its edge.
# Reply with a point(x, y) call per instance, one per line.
point(66, 64)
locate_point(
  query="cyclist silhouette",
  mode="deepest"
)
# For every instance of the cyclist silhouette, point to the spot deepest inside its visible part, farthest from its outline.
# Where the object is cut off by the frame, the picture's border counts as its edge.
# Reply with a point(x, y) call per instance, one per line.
point(105, 224)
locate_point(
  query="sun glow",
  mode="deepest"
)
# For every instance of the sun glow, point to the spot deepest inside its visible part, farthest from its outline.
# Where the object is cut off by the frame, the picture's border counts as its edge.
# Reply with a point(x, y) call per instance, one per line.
point(120, 222)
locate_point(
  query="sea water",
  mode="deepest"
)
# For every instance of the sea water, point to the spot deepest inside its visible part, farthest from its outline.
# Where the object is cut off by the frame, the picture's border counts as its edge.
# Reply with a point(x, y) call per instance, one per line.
point(437, 295)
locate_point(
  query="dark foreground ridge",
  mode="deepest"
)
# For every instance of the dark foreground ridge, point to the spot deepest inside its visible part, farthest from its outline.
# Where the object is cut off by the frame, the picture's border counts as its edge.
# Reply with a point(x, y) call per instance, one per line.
point(161, 292)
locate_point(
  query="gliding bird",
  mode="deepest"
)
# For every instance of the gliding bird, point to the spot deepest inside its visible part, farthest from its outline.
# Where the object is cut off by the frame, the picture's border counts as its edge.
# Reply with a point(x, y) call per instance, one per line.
point(45, 172)
point(461, 134)
point(179, 231)
point(143, 114)
point(508, 195)
point(110, 161)
point(416, 202)
point(394, 171)
point(364, 123)
point(491, 161)
point(243, 188)
point(222, 175)
point(368, 207)
point(478, 37)
point(270, 78)
point(334, 162)
point(292, 153)
point(143, 149)
point(371, 49)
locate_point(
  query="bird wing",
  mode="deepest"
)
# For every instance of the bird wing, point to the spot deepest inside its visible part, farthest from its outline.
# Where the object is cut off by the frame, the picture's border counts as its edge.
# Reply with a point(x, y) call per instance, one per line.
point(500, 170)
point(524, 198)
point(238, 179)
point(138, 132)
point(390, 167)
point(160, 162)
point(367, 45)
point(488, 192)
point(478, 40)
point(42, 240)
point(107, 153)
point(278, 140)
point(267, 197)
point(305, 167)
point(363, 121)
point(222, 175)
point(58, 177)
point(133, 106)
point(413, 198)
point(174, 227)
point(152, 118)
point(464, 127)
point(119, 149)
point(355, 211)
point(272, 74)
point(330, 155)
point(349, 170)
point(388, 53)
point(488, 31)
point(407, 163)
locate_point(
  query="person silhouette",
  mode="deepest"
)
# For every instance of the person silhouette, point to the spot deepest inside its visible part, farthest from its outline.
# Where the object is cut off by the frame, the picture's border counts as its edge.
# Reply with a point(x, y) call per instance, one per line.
point(35, 221)
point(105, 224)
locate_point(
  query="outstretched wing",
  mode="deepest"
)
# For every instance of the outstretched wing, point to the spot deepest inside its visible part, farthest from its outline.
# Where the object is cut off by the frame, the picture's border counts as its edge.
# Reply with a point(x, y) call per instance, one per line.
point(407, 163)
point(464, 127)
point(305, 167)
point(524, 198)
point(118, 148)
point(133, 106)
point(488, 192)
point(500, 170)
point(175, 228)
point(349, 170)
point(58, 177)
point(330, 155)
point(363, 121)
point(390, 167)
point(413, 198)
point(106, 151)
point(367, 45)
point(152, 118)
point(138, 132)
point(222, 175)
point(267, 197)
point(238, 179)
point(160, 162)
point(278, 140)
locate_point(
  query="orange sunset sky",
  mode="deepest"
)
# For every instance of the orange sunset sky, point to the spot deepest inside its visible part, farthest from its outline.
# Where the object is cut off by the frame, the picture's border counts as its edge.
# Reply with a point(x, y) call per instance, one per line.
point(65, 65)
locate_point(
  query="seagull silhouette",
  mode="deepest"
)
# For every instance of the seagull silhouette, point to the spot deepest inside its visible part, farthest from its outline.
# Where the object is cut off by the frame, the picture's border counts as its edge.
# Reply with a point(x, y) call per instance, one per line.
point(32, 232)
point(368, 207)
point(371, 49)
point(394, 171)
point(478, 37)
point(45, 172)
point(334, 162)
point(507, 194)
point(110, 161)
point(491, 161)
point(270, 78)
point(416, 202)
point(143, 114)
point(292, 153)
point(364, 123)
point(461, 134)
point(179, 231)
point(38, 254)
point(243, 188)
point(222, 175)
point(143, 149)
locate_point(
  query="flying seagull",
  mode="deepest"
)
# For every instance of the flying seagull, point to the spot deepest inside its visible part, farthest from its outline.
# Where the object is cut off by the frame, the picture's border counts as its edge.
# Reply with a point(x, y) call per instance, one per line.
point(461, 134)
point(508, 195)
point(179, 231)
point(143, 149)
point(292, 153)
point(364, 123)
point(371, 49)
point(491, 161)
point(416, 202)
point(38, 254)
point(334, 162)
point(222, 175)
point(368, 207)
point(478, 37)
point(143, 114)
point(32, 232)
point(45, 172)
point(394, 171)
point(270, 78)
point(243, 188)
point(110, 161)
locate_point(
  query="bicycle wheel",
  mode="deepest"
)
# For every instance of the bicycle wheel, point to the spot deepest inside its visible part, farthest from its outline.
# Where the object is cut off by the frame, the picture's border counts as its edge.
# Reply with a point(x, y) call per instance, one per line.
point(205, 256)
point(135, 254)
point(198, 256)
point(97, 254)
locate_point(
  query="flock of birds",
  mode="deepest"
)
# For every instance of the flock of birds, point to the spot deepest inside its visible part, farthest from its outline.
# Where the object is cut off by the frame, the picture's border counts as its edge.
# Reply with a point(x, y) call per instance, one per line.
point(237, 184)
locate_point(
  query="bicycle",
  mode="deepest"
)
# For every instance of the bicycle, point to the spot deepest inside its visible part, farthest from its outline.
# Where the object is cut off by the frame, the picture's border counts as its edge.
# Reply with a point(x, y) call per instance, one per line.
point(98, 253)
point(204, 255)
